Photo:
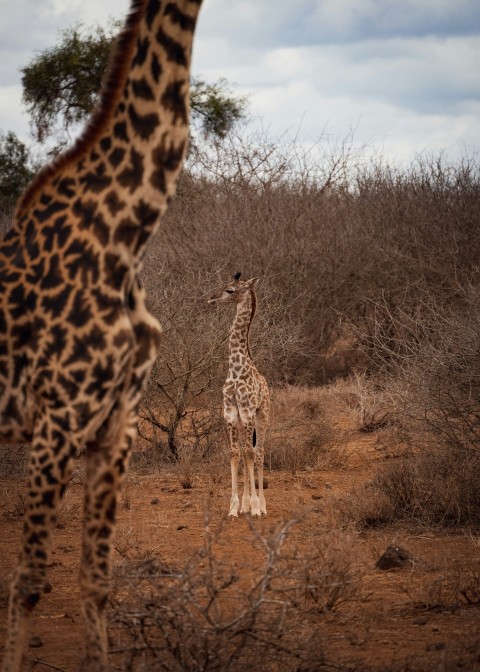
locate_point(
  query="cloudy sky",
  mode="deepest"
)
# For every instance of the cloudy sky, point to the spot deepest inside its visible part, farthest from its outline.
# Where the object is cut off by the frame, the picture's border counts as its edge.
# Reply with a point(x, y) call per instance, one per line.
point(405, 74)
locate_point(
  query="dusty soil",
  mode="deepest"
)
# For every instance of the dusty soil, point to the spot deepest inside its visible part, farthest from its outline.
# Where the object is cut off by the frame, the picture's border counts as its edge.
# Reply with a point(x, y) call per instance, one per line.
point(420, 617)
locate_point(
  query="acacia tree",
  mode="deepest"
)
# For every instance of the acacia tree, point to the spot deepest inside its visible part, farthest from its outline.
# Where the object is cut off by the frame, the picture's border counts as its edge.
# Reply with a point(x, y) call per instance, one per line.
point(62, 84)
point(16, 169)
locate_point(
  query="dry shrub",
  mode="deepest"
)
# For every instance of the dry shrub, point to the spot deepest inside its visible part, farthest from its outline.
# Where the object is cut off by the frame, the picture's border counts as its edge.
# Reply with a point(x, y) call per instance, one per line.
point(304, 433)
point(323, 573)
point(187, 467)
point(213, 469)
point(366, 400)
point(430, 360)
point(128, 546)
point(452, 589)
point(436, 487)
point(150, 456)
point(210, 615)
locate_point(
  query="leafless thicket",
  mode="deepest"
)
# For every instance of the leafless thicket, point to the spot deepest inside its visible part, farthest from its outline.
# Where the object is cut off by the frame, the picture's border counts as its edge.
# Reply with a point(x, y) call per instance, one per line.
point(429, 361)
point(353, 255)
point(330, 232)
point(329, 229)
point(364, 267)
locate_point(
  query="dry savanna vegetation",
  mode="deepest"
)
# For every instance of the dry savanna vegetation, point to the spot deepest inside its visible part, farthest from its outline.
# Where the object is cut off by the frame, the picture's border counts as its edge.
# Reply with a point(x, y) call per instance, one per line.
point(368, 331)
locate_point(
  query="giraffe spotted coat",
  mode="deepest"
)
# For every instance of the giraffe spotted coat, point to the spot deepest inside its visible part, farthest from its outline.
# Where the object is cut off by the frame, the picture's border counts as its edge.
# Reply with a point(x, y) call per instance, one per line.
point(76, 338)
point(246, 399)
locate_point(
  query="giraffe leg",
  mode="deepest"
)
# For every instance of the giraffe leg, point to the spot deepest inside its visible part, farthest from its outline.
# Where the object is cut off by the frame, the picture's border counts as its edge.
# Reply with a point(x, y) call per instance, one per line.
point(261, 423)
point(107, 461)
point(246, 491)
point(50, 468)
point(250, 452)
point(230, 413)
point(234, 463)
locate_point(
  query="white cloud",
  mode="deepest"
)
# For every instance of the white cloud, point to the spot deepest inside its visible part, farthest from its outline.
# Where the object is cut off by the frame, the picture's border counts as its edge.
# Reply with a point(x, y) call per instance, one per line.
point(85, 12)
point(330, 21)
point(11, 117)
point(351, 19)
point(403, 72)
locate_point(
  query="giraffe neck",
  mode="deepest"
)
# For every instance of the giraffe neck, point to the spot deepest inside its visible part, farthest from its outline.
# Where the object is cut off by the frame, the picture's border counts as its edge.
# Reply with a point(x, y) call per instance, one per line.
point(239, 333)
point(122, 172)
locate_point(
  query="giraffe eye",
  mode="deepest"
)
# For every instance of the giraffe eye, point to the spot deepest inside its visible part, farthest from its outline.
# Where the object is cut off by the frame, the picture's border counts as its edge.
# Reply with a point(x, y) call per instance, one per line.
point(230, 291)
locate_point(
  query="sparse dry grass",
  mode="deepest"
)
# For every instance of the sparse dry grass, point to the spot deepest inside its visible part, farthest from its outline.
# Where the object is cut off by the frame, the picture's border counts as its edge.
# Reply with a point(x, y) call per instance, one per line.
point(13, 461)
point(205, 615)
point(68, 511)
point(12, 498)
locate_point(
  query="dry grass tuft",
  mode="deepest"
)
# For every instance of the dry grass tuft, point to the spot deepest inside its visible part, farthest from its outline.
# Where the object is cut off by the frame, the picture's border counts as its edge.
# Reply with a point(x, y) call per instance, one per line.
point(186, 467)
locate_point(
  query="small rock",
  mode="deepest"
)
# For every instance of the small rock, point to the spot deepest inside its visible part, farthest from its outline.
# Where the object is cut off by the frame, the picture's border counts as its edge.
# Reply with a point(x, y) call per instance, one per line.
point(155, 501)
point(182, 527)
point(47, 588)
point(317, 497)
point(35, 642)
point(393, 558)
point(436, 646)
point(421, 620)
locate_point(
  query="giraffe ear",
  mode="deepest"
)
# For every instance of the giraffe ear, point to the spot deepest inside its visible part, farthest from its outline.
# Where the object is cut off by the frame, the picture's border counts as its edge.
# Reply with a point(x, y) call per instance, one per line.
point(250, 284)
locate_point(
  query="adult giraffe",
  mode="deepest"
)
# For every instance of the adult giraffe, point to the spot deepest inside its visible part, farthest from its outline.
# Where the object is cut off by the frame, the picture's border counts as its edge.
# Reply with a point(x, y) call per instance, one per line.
point(76, 339)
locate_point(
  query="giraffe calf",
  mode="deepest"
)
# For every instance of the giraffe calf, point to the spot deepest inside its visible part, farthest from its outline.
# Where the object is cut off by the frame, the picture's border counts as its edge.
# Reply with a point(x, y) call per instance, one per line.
point(246, 399)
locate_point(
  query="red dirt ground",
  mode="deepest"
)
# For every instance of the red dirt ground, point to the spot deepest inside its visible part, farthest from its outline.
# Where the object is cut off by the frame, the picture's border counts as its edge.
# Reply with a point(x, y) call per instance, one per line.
point(408, 619)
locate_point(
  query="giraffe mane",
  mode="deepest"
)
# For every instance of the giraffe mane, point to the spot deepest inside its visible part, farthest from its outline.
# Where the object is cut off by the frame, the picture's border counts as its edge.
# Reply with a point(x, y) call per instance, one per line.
point(111, 92)
point(252, 315)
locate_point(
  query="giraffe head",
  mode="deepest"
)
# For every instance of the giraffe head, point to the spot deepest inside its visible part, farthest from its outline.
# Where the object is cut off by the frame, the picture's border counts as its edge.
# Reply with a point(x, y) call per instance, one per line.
point(234, 291)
